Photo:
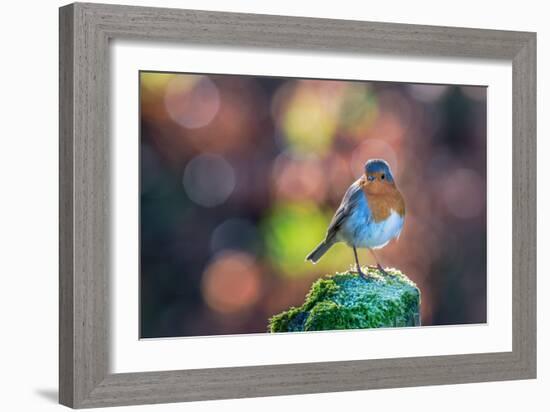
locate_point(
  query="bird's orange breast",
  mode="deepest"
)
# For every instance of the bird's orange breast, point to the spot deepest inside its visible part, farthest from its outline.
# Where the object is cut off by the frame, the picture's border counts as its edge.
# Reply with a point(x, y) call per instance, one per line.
point(383, 198)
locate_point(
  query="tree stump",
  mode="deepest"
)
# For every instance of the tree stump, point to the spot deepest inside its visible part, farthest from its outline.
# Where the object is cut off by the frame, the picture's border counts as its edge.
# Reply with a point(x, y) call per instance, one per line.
point(347, 301)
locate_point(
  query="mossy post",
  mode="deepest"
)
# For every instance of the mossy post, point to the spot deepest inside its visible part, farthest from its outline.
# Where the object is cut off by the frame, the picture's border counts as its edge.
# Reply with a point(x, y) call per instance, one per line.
point(347, 301)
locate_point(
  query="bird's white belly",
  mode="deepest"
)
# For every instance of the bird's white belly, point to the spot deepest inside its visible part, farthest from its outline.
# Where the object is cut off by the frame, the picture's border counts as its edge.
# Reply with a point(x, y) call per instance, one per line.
point(360, 233)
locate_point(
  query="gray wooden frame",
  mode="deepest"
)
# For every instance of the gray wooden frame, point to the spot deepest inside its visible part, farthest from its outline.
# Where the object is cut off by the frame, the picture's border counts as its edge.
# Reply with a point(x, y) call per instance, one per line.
point(85, 31)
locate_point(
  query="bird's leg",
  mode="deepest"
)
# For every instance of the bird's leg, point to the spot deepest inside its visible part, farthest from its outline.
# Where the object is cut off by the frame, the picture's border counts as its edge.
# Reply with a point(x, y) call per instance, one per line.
point(358, 265)
point(378, 266)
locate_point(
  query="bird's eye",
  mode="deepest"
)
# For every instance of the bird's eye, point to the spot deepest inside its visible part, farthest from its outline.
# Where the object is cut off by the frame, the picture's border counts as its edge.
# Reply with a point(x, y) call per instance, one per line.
point(382, 176)
point(370, 178)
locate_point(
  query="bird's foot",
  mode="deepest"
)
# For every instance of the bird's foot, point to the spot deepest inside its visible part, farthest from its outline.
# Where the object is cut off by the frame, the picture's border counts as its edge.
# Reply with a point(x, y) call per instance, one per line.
point(360, 273)
point(381, 269)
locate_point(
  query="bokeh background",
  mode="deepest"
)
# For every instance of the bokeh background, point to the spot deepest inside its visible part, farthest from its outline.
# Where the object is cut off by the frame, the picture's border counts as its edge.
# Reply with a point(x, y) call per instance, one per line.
point(240, 176)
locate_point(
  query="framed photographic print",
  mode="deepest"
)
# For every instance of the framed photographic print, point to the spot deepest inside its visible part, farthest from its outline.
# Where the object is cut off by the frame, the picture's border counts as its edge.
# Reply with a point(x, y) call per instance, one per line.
point(257, 205)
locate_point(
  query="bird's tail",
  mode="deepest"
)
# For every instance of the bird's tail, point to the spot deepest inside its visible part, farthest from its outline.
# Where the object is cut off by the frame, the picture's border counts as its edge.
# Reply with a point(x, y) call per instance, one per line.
point(319, 251)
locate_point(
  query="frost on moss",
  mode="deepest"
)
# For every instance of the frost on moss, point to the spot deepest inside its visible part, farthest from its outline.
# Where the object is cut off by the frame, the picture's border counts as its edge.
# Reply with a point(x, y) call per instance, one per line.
point(347, 301)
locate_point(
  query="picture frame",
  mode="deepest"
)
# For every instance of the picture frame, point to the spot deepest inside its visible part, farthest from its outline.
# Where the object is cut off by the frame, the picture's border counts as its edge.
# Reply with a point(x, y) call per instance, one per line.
point(84, 353)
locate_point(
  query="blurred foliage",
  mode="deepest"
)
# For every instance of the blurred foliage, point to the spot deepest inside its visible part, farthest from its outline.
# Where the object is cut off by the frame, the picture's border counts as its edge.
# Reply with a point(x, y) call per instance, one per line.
point(291, 231)
point(240, 176)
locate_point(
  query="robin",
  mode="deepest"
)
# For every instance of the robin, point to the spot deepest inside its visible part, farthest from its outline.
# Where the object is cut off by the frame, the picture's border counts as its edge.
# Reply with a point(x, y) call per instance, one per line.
point(371, 214)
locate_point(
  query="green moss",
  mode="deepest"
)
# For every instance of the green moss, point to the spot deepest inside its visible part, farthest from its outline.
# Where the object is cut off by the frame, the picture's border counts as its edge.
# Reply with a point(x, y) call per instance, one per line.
point(287, 321)
point(347, 301)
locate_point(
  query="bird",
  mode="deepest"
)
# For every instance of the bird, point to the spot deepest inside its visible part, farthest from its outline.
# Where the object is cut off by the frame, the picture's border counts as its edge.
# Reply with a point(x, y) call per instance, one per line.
point(371, 214)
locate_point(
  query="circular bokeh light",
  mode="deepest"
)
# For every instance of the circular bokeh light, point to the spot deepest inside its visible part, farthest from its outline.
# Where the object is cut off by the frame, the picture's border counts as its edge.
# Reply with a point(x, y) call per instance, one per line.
point(192, 101)
point(235, 234)
point(209, 180)
point(231, 283)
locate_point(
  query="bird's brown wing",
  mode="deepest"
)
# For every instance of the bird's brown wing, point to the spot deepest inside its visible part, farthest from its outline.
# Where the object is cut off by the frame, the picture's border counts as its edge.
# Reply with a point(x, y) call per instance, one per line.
point(352, 196)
